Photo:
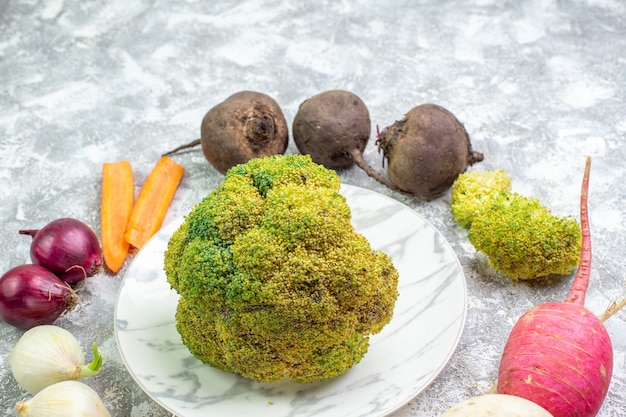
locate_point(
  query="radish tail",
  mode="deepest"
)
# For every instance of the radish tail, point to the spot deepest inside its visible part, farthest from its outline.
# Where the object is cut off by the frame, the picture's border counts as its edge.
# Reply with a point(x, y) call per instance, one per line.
point(581, 280)
point(613, 308)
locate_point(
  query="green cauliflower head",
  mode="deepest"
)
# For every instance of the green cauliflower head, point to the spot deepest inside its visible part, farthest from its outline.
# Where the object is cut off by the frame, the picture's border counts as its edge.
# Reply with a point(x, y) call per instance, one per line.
point(274, 281)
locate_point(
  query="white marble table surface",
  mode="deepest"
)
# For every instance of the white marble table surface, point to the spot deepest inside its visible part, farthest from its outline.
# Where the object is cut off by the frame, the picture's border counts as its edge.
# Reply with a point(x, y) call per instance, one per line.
point(539, 85)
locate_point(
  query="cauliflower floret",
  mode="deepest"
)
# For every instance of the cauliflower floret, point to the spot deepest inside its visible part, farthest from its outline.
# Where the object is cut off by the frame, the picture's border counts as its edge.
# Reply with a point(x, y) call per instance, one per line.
point(472, 190)
point(524, 240)
point(521, 238)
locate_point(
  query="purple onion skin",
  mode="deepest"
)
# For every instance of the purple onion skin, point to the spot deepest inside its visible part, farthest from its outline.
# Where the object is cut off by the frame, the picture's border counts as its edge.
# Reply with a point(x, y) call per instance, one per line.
point(30, 295)
point(68, 248)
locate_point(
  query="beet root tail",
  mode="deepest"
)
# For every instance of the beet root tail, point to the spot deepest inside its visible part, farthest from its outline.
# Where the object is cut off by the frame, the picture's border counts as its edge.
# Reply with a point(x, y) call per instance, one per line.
point(191, 144)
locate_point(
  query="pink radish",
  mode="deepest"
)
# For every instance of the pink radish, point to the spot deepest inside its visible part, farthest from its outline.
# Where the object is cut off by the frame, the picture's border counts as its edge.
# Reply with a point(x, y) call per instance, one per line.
point(559, 355)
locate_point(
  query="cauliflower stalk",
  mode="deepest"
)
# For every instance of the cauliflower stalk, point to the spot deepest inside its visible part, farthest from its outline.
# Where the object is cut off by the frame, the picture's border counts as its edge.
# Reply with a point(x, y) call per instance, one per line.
point(274, 281)
point(521, 238)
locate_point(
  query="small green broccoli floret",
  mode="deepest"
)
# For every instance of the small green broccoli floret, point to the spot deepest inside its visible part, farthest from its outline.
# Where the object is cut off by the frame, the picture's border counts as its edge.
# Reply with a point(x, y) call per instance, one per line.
point(473, 189)
point(274, 280)
point(520, 237)
point(523, 239)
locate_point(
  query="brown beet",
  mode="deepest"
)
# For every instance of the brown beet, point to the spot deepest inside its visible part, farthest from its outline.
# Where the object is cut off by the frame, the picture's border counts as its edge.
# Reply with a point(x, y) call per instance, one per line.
point(330, 125)
point(246, 125)
point(426, 151)
point(334, 128)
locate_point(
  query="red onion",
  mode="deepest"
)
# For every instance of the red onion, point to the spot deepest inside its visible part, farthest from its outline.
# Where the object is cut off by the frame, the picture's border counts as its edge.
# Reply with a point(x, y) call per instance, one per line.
point(31, 295)
point(68, 248)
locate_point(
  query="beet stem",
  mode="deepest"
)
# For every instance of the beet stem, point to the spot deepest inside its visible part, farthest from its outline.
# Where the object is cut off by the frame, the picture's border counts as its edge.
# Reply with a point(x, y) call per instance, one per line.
point(191, 144)
point(361, 163)
point(475, 157)
point(581, 280)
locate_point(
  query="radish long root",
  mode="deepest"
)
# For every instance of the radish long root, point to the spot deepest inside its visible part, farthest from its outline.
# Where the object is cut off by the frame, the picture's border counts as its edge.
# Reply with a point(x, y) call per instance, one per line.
point(613, 308)
point(581, 280)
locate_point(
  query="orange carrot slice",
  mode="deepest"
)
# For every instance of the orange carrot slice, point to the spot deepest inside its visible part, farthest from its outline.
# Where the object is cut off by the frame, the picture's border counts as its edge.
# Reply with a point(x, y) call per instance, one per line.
point(118, 195)
point(153, 202)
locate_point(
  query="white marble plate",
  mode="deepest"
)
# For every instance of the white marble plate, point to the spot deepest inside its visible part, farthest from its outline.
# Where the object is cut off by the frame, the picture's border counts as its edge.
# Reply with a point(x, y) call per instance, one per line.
point(402, 360)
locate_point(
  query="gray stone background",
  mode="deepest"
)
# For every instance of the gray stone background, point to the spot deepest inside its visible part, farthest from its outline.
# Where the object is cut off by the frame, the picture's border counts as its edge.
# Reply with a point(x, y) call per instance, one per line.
point(538, 84)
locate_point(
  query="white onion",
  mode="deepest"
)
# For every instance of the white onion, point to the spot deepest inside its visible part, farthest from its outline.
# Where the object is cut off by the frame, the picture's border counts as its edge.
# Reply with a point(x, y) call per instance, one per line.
point(48, 354)
point(63, 399)
point(500, 405)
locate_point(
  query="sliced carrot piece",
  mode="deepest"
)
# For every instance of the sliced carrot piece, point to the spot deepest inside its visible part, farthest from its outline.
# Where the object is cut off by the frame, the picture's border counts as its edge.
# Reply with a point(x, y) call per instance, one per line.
point(118, 195)
point(153, 201)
